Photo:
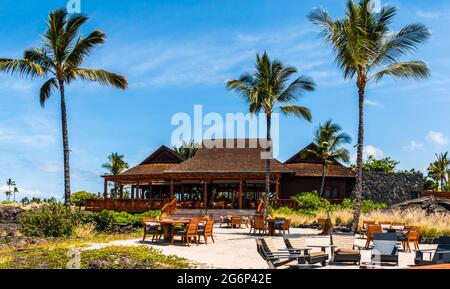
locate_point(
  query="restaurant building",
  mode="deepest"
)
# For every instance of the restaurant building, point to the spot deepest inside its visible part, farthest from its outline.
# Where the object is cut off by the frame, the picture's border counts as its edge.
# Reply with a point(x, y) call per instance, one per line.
point(230, 174)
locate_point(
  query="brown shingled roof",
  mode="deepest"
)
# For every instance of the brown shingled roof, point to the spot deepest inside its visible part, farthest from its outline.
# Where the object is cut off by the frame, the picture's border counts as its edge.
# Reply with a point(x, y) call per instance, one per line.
point(245, 158)
point(315, 170)
point(148, 169)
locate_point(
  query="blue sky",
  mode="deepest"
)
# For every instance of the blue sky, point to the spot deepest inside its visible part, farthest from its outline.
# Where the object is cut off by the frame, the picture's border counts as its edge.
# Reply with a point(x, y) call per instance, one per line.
point(176, 54)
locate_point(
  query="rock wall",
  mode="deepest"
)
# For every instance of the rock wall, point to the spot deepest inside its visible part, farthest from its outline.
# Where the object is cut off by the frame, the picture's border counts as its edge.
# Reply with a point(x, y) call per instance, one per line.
point(391, 188)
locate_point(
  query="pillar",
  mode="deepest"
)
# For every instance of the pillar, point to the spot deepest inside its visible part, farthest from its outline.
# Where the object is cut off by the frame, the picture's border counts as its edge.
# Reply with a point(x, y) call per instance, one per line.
point(205, 195)
point(105, 189)
point(240, 193)
point(171, 189)
point(137, 191)
point(277, 188)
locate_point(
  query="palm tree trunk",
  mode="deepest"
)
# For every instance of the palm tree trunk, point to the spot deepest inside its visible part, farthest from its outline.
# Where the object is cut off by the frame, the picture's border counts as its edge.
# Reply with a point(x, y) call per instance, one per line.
point(269, 148)
point(65, 136)
point(322, 185)
point(359, 157)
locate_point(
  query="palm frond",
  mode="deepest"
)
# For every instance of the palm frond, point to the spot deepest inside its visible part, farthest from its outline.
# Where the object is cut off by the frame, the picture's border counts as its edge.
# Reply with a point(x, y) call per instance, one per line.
point(24, 67)
point(40, 57)
point(84, 46)
point(46, 90)
point(403, 70)
point(102, 76)
point(299, 111)
point(303, 83)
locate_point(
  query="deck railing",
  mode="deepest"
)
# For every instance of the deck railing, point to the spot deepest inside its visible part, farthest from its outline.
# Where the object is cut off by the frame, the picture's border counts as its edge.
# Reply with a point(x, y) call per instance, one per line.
point(442, 195)
point(125, 205)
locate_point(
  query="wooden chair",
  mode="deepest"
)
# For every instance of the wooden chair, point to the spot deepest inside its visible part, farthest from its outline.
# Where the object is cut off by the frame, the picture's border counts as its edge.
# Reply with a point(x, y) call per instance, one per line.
point(188, 233)
point(343, 248)
point(284, 226)
point(371, 230)
point(224, 220)
point(258, 225)
point(207, 231)
point(364, 226)
point(236, 221)
point(153, 229)
point(412, 236)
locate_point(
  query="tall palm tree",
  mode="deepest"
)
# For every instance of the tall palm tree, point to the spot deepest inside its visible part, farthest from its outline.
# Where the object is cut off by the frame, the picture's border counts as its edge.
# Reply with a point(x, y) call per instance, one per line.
point(327, 147)
point(268, 89)
point(60, 58)
point(115, 166)
point(186, 149)
point(439, 170)
point(10, 183)
point(367, 50)
point(15, 190)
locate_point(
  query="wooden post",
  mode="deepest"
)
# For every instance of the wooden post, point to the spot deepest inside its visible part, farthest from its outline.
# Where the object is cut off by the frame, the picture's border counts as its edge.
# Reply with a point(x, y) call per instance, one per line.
point(171, 189)
point(132, 192)
point(240, 193)
point(137, 191)
point(205, 195)
point(105, 189)
point(277, 188)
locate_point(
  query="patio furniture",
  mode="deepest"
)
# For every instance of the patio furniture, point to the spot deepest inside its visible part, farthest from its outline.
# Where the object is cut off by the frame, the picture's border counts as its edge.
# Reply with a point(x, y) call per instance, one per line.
point(411, 236)
point(343, 248)
point(236, 221)
point(297, 244)
point(218, 205)
point(439, 256)
point(385, 225)
point(385, 248)
point(282, 225)
point(151, 228)
point(364, 226)
point(207, 231)
point(188, 233)
point(273, 256)
point(224, 220)
point(258, 225)
point(371, 230)
point(321, 222)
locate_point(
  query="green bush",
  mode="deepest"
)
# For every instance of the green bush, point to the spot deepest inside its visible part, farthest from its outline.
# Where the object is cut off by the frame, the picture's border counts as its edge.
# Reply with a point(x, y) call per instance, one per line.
point(79, 198)
point(107, 220)
point(52, 220)
point(309, 203)
point(367, 206)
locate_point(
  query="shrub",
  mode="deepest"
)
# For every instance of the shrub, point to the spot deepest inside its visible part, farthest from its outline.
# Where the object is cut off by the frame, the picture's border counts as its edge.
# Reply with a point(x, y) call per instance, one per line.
point(106, 220)
point(52, 220)
point(310, 203)
point(85, 231)
point(367, 206)
point(79, 198)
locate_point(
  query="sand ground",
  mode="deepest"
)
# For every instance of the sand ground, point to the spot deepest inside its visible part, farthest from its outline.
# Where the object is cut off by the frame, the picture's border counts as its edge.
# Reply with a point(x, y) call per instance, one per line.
point(236, 249)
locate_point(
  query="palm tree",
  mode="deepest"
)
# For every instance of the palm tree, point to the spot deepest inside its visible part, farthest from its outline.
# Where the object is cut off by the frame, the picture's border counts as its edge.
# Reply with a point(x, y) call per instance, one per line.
point(439, 170)
point(327, 147)
point(267, 89)
point(115, 166)
point(15, 190)
point(10, 183)
point(60, 58)
point(366, 49)
point(187, 149)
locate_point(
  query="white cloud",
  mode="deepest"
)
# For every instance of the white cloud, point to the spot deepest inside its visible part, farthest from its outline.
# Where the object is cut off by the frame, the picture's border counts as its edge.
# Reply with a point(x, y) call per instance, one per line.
point(429, 14)
point(413, 146)
point(437, 137)
point(25, 192)
point(373, 151)
point(369, 102)
point(51, 167)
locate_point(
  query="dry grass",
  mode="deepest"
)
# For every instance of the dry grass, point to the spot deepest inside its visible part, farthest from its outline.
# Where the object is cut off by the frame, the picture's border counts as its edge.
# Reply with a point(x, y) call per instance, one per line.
point(433, 225)
point(85, 231)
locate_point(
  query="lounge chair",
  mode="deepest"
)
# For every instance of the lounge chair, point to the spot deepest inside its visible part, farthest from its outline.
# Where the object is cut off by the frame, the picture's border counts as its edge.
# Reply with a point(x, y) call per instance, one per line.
point(343, 248)
point(153, 229)
point(207, 231)
point(188, 233)
point(385, 248)
point(273, 256)
point(439, 256)
point(297, 244)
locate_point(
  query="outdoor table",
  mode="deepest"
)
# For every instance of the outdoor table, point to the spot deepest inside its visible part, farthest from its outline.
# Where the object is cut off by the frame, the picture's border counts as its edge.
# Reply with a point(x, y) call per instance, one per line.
point(271, 225)
point(167, 226)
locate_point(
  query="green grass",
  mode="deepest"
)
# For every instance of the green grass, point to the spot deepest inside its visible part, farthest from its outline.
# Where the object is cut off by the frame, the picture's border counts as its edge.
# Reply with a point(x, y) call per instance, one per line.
point(112, 257)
